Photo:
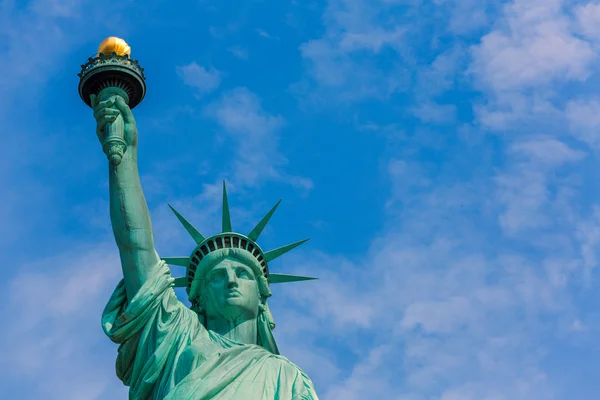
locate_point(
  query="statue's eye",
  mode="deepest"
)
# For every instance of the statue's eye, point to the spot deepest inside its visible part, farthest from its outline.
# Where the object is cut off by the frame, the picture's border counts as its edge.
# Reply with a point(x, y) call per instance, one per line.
point(216, 276)
point(244, 274)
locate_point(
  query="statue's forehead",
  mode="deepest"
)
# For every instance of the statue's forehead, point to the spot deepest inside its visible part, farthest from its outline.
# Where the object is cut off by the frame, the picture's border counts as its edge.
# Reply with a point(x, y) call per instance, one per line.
point(229, 263)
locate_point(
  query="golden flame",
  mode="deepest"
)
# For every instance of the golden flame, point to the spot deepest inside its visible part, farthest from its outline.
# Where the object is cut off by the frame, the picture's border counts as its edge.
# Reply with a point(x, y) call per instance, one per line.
point(114, 44)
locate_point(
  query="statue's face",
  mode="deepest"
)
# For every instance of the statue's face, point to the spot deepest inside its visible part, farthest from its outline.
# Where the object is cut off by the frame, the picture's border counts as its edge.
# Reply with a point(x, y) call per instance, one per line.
point(231, 291)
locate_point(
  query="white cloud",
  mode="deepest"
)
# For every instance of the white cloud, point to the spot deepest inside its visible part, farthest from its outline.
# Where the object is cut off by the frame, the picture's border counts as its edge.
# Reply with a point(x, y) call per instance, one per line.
point(334, 63)
point(578, 326)
point(505, 111)
point(466, 15)
point(588, 19)
point(441, 74)
point(263, 33)
point(58, 8)
point(436, 325)
point(533, 51)
point(341, 305)
point(253, 137)
point(584, 119)
point(54, 344)
point(535, 47)
point(367, 380)
point(37, 36)
point(373, 40)
point(199, 78)
point(545, 152)
point(588, 233)
point(525, 189)
point(239, 52)
point(435, 113)
point(239, 111)
point(437, 316)
point(442, 306)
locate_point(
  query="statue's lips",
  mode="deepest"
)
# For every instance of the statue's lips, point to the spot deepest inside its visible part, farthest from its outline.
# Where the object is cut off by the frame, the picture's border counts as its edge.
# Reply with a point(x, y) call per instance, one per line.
point(233, 293)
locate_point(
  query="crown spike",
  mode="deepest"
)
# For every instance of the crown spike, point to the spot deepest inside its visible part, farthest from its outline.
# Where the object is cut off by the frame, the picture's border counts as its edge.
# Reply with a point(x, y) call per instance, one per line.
point(226, 215)
point(285, 278)
point(263, 222)
point(197, 236)
point(273, 254)
point(180, 261)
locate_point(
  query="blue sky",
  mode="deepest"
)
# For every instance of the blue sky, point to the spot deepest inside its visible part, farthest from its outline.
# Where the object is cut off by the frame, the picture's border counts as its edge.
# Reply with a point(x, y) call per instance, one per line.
point(442, 155)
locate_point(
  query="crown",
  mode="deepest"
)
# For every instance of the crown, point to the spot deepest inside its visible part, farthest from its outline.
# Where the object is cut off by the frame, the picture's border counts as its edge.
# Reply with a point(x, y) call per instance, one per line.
point(229, 239)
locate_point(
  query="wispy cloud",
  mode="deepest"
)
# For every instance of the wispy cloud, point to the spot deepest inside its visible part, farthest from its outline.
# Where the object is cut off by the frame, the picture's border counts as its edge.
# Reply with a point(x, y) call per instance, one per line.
point(37, 34)
point(525, 189)
point(436, 325)
point(535, 50)
point(254, 137)
point(54, 305)
point(587, 17)
point(469, 282)
point(196, 76)
point(239, 52)
point(435, 113)
point(332, 65)
point(536, 47)
point(266, 35)
point(584, 119)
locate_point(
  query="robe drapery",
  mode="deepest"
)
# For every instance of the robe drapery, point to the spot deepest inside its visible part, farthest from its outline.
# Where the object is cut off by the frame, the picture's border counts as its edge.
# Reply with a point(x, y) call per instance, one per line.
point(166, 353)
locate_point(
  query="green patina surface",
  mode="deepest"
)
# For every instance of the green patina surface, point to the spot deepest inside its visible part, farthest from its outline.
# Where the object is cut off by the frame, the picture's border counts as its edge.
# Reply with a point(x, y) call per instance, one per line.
point(223, 346)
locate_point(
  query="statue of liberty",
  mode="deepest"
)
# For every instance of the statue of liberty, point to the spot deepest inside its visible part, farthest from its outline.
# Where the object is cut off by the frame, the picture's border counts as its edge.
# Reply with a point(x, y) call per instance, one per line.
point(222, 347)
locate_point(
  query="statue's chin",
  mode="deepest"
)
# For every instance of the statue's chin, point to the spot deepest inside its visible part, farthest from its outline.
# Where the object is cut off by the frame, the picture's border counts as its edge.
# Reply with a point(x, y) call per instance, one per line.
point(234, 308)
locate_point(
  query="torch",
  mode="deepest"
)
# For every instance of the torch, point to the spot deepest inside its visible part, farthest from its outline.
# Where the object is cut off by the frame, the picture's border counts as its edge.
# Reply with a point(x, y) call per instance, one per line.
point(109, 74)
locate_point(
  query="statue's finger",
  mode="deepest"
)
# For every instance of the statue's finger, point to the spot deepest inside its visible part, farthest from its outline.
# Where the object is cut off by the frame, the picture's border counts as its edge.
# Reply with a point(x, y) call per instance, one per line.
point(105, 120)
point(105, 111)
point(125, 110)
point(93, 100)
point(104, 104)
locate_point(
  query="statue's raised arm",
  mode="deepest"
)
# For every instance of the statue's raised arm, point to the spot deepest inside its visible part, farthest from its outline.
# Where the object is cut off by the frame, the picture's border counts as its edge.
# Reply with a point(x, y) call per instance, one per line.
point(129, 213)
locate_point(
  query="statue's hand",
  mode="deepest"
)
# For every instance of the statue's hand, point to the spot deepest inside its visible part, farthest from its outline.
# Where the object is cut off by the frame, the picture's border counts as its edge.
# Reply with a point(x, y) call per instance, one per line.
point(107, 111)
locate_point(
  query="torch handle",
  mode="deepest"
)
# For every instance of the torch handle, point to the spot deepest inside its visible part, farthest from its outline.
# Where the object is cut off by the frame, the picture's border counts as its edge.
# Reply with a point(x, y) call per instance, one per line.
point(114, 145)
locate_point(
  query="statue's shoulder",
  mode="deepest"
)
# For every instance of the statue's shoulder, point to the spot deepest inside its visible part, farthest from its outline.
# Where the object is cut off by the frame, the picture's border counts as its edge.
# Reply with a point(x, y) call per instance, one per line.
point(303, 385)
point(288, 365)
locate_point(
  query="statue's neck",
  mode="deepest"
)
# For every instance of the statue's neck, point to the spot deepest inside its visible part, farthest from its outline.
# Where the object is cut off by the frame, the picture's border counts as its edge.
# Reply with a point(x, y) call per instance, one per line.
point(242, 331)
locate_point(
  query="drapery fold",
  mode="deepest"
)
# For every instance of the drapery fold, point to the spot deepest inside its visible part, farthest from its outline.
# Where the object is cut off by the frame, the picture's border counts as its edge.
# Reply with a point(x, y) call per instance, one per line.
point(166, 353)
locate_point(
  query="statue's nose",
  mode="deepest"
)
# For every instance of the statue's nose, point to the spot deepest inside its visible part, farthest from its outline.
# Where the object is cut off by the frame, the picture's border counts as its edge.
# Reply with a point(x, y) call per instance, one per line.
point(231, 279)
point(232, 283)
